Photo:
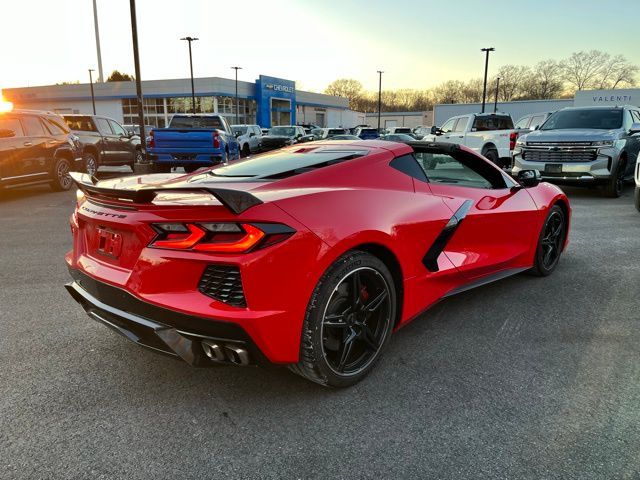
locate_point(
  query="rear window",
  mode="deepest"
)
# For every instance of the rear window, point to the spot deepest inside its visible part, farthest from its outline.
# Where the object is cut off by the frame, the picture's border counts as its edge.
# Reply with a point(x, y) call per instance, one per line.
point(402, 130)
point(369, 131)
point(195, 123)
point(283, 131)
point(485, 123)
point(282, 164)
point(600, 118)
point(239, 130)
point(336, 131)
point(81, 124)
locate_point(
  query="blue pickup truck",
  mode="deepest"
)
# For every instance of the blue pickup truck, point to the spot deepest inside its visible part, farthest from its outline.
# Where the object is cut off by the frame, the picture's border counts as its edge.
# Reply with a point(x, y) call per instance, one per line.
point(192, 142)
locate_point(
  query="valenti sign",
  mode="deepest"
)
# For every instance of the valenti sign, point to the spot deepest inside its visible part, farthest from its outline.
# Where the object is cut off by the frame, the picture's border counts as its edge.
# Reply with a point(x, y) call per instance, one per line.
point(590, 98)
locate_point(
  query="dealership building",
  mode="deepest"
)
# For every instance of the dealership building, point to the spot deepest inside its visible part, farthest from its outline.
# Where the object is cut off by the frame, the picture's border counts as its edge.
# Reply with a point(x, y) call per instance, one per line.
point(268, 101)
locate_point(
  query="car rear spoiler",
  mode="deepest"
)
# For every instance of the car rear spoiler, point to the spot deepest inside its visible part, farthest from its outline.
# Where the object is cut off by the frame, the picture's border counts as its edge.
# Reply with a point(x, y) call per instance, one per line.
point(235, 200)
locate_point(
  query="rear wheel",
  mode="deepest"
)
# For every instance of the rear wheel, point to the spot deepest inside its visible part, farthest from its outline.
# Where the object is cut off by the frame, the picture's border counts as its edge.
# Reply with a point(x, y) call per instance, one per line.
point(614, 186)
point(550, 243)
point(348, 321)
point(191, 168)
point(492, 156)
point(245, 150)
point(90, 163)
point(161, 168)
point(61, 178)
point(138, 159)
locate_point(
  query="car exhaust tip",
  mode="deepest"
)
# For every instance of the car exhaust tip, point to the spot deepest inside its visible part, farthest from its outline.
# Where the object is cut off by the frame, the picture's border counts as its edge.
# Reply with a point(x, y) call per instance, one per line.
point(225, 353)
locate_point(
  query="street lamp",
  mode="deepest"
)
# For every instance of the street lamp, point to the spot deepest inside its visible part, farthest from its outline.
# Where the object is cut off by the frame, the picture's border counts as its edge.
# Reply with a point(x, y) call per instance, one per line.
point(93, 98)
point(237, 103)
point(495, 105)
point(380, 72)
point(486, 69)
point(136, 63)
point(193, 91)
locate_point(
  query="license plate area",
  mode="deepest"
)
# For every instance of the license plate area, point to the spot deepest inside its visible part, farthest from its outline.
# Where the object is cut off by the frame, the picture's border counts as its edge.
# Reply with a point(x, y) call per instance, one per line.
point(553, 168)
point(109, 243)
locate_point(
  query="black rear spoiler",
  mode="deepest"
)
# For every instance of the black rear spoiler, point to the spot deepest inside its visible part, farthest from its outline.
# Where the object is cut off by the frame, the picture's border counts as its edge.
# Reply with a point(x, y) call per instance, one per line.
point(235, 200)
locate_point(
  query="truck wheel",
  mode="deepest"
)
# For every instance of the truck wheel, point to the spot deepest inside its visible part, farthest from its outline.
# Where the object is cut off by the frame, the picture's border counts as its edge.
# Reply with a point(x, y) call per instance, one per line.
point(191, 168)
point(614, 186)
point(61, 179)
point(161, 168)
point(91, 163)
point(138, 158)
point(492, 156)
point(245, 151)
point(636, 198)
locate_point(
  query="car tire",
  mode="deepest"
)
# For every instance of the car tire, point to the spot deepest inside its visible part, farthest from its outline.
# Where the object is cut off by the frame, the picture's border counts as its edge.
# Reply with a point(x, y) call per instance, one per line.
point(615, 185)
point(161, 168)
point(550, 242)
point(246, 151)
point(91, 163)
point(61, 179)
point(138, 159)
point(191, 168)
point(348, 321)
point(492, 156)
point(636, 198)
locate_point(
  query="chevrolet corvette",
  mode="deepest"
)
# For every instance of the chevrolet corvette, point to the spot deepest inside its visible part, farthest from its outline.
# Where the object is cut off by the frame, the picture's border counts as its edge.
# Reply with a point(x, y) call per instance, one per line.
point(311, 256)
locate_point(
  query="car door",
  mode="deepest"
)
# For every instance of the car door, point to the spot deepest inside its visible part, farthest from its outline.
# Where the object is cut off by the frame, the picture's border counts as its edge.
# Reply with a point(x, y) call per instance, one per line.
point(496, 224)
point(34, 160)
point(126, 151)
point(447, 129)
point(634, 142)
point(254, 138)
point(11, 148)
point(110, 143)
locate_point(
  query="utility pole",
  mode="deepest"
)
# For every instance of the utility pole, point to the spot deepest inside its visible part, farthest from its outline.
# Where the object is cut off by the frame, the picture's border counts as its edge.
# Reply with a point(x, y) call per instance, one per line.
point(380, 72)
point(237, 102)
point(95, 25)
point(193, 91)
point(93, 98)
point(495, 105)
point(136, 61)
point(486, 69)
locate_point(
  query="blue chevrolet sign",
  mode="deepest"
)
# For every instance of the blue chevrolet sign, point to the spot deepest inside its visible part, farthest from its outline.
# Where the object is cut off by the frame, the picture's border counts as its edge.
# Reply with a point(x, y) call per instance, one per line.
point(275, 98)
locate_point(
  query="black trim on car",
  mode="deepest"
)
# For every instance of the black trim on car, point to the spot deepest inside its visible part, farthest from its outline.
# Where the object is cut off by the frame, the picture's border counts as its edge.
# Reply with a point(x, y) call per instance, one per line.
point(430, 259)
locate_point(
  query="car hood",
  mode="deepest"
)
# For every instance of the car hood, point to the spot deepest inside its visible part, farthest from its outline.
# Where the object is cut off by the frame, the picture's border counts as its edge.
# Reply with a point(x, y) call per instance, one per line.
point(571, 135)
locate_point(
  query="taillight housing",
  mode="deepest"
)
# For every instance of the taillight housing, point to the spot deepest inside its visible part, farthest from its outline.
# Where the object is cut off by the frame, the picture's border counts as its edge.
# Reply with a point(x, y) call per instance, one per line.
point(216, 139)
point(151, 143)
point(513, 136)
point(218, 237)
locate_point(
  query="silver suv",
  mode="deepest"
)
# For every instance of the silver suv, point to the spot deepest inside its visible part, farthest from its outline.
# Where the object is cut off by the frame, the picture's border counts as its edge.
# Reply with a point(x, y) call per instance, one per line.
point(583, 145)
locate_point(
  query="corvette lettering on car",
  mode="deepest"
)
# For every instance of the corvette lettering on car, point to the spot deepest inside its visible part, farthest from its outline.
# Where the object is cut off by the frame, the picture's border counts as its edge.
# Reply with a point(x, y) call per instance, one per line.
point(310, 256)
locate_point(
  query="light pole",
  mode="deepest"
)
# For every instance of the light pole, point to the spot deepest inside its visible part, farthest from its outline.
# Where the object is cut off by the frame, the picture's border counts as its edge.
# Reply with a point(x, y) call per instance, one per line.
point(237, 103)
point(486, 69)
point(193, 91)
point(136, 62)
point(93, 98)
point(97, 31)
point(495, 105)
point(380, 72)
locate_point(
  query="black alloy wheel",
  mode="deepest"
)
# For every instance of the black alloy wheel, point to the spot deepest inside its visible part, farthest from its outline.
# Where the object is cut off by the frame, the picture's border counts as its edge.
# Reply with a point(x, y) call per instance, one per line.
point(61, 178)
point(90, 164)
point(615, 185)
point(551, 242)
point(349, 321)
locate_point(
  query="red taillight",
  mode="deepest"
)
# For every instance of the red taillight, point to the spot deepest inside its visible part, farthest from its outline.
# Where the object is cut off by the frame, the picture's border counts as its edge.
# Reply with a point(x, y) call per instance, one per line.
point(513, 136)
point(218, 237)
point(152, 139)
point(216, 139)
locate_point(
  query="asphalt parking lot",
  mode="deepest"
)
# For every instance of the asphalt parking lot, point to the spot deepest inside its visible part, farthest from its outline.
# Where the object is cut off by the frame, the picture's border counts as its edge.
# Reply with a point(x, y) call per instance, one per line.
point(524, 378)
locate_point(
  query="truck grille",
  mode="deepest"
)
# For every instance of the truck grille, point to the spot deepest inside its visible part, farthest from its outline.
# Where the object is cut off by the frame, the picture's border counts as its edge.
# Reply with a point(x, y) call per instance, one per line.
point(559, 154)
point(223, 283)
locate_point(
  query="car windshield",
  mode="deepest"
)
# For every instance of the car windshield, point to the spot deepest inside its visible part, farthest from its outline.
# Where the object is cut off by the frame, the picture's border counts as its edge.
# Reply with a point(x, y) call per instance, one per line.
point(80, 124)
point(282, 131)
point(196, 122)
point(239, 130)
point(399, 138)
point(369, 131)
point(597, 118)
point(402, 130)
point(280, 164)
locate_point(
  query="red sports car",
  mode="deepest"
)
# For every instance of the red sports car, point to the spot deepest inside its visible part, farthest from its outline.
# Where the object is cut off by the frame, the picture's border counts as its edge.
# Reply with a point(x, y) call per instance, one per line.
point(310, 256)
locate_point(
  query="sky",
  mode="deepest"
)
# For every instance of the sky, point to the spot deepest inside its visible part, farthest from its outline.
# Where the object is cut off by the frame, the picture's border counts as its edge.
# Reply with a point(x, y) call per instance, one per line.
point(417, 43)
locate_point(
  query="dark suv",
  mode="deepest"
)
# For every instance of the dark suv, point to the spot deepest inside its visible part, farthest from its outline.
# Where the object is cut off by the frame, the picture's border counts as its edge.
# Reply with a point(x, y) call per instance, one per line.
point(37, 147)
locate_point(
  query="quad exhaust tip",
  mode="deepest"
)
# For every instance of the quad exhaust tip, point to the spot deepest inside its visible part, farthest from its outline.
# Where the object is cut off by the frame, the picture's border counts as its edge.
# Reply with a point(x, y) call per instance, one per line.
point(225, 353)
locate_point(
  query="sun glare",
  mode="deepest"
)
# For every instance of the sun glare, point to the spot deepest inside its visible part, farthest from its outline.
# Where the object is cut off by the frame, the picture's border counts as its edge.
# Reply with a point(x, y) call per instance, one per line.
point(5, 106)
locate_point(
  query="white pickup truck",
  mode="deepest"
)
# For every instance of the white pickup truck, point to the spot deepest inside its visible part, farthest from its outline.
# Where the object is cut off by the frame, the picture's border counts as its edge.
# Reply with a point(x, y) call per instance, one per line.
point(490, 134)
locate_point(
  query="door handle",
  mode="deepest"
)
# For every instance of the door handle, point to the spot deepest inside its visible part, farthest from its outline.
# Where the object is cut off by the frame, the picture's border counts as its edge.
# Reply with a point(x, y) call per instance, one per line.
point(28, 144)
point(460, 136)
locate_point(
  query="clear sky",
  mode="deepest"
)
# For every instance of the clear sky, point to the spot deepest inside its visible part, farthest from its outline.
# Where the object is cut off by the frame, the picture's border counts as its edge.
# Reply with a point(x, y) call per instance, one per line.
point(418, 43)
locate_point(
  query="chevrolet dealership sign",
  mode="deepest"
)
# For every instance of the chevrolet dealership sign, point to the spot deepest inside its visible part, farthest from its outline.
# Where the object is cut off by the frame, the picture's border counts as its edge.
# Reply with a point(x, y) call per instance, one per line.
point(590, 98)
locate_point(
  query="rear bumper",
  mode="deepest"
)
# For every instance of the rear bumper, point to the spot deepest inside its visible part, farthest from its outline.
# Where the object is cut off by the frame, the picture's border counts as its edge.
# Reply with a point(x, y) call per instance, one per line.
point(199, 342)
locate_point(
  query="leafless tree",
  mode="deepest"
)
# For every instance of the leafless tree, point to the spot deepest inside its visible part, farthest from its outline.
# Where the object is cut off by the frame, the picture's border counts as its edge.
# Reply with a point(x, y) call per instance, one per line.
point(582, 69)
point(617, 72)
point(512, 78)
point(544, 81)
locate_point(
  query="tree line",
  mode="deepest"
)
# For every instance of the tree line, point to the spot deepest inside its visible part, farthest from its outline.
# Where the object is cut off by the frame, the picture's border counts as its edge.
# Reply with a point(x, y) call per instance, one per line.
point(547, 79)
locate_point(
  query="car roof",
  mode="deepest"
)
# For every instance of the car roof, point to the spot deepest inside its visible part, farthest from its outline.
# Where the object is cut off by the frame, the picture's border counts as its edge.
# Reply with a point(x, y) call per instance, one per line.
point(599, 107)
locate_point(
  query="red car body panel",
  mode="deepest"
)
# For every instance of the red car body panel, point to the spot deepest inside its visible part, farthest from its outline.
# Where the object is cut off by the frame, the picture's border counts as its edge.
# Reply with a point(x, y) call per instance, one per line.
point(359, 203)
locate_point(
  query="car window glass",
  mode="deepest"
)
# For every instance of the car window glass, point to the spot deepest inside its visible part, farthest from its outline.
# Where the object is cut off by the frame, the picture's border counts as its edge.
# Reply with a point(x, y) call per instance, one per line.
point(523, 122)
point(459, 168)
point(56, 127)
point(487, 123)
point(13, 124)
point(118, 130)
point(636, 116)
point(448, 125)
point(33, 127)
point(461, 124)
point(537, 121)
point(103, 126)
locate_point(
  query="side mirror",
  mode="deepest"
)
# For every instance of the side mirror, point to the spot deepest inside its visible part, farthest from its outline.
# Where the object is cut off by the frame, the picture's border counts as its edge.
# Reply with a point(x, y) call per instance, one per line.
point(7, 133)
point(252, 134)
point(528, 178)
point(237, 134)
point(435, 130)
point(635, 128)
